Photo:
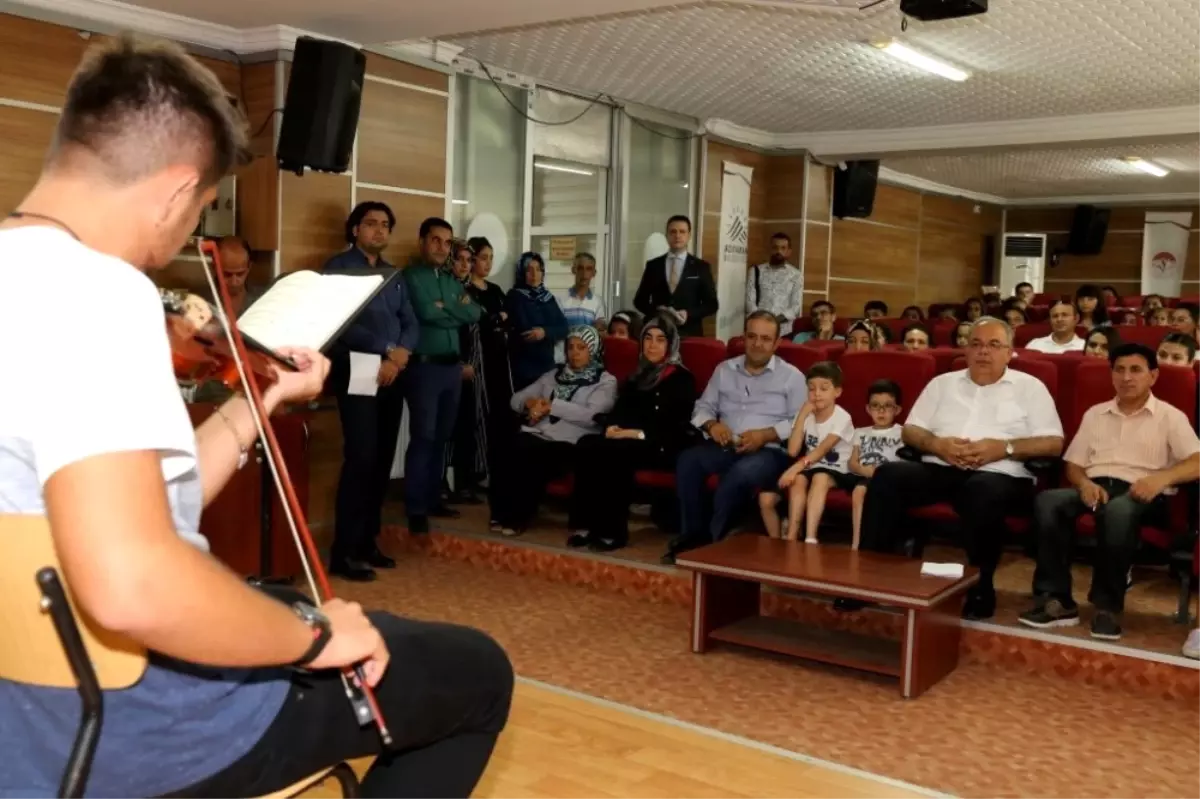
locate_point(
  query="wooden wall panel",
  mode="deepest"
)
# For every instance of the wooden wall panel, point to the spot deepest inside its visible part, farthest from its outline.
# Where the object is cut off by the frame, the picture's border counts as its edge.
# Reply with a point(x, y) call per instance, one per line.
point(950, 264)
point(849, 298)
point(402, 138)
point(391, 69)
point(874, 252)
point(1120, 259)
point(820, 191)
point(324, 467)
point(816, 258)
point(410, 210)
point(784, 199)
point(315, 207)
point(258, 181)
point(25, 135)
point(954, 212)
point(896, 206)
point(37, 59)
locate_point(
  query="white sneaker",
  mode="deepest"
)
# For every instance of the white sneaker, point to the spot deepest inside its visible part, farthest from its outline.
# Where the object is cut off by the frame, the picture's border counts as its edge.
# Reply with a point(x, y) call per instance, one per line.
point(1191, 647)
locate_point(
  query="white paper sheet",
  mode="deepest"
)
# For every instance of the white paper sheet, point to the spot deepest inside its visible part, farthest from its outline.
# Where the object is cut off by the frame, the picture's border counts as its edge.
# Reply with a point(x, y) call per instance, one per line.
point(364, 374)
point(951, 570)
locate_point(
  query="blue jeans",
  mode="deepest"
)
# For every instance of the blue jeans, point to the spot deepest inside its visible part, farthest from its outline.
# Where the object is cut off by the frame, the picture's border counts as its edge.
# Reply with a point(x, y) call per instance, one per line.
point(433, 393)
point(740, 476)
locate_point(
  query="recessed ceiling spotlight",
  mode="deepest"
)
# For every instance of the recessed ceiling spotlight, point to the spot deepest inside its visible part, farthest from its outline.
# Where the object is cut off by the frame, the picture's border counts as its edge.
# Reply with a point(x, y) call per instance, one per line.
point(921, 61)
point(1146, 166)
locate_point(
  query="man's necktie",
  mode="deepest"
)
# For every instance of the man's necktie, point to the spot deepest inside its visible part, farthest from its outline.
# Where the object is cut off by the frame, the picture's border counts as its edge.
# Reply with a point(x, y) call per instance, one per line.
point(673, 268)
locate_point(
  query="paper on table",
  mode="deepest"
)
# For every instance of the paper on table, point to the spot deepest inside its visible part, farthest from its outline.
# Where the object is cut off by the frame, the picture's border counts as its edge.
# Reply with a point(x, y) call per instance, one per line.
point(364, 374)
point(952, 570)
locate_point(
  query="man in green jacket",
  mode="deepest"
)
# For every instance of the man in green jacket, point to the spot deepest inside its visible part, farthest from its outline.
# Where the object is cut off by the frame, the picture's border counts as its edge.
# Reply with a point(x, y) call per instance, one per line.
point(435, 371)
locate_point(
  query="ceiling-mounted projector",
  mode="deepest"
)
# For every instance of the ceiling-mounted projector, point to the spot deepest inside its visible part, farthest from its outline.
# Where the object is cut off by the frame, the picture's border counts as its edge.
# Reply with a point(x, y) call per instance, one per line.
point(929, 10)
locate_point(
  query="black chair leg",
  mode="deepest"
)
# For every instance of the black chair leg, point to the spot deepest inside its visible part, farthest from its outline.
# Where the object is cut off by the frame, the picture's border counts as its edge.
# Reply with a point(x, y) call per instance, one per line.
point(83, 751)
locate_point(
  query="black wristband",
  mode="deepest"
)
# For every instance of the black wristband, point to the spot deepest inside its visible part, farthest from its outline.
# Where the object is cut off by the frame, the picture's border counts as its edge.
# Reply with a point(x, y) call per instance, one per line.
point(322, 632)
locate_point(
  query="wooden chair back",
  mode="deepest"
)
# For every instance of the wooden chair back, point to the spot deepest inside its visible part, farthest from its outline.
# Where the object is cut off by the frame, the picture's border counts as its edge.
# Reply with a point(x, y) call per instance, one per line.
point(26, 547)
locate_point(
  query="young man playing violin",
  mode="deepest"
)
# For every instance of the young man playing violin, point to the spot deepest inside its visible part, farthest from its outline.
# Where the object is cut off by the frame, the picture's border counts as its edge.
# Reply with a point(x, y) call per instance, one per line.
point(144, 136)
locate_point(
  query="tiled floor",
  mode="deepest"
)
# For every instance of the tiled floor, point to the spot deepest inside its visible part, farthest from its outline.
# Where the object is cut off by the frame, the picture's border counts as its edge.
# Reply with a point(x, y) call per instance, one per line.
point(983, 731)
point(1150, 603)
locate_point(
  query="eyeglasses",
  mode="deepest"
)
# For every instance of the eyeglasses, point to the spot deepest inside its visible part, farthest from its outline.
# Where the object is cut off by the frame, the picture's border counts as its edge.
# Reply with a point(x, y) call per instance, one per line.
point(991, 346)
point(885, 406)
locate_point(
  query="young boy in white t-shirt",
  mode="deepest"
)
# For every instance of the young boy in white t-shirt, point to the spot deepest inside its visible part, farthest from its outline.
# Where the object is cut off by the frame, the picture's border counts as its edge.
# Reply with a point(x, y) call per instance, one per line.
point(826, 432)
point(874, 445)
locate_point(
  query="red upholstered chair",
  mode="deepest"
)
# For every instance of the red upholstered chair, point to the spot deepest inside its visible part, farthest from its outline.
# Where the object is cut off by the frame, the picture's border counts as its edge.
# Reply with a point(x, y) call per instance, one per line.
point(803, 357)
point(937, 307)
point(912, 371)
point(1149, 336)
point(735, 347)
point(1037, 313)
point(620, 357)
point(804, 324)
point(1046, 298)
point(1023, 334)
point(702, 356)
point(943, 358)
point(1067, 364)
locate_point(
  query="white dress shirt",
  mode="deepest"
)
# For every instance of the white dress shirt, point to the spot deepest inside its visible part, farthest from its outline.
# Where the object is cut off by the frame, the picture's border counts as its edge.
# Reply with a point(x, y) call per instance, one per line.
point(1049, 345)
point(1017, 405)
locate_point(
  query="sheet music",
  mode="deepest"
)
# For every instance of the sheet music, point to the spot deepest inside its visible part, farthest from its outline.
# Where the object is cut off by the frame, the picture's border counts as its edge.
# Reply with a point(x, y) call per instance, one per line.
point(364, 374)
point(306, 309)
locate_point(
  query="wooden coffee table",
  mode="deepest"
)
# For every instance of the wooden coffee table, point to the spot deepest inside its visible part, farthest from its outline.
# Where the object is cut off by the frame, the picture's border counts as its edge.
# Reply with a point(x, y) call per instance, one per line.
point(727, 582)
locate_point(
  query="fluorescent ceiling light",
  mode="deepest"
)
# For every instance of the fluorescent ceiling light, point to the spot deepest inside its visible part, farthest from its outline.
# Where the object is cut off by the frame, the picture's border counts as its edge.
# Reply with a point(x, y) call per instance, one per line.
point(1147, 167)
point(461, 202)
point(922, 61)
point(568, 169)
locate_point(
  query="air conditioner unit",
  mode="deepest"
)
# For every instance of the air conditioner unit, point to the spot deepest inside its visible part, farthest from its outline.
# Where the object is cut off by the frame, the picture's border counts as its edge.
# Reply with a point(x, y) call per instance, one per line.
point(1022, 260)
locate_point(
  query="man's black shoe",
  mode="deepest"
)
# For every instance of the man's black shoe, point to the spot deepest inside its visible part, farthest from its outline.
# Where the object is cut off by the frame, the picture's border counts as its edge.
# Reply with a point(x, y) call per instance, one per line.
point(418, 525)
point(354, 570)
point(380, 560)
point(979, 606)
point(444, 512)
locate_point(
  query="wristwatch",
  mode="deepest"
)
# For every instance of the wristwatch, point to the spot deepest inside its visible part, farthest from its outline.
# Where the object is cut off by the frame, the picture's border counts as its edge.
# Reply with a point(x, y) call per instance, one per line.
point(318, 622)
point(1008, 448)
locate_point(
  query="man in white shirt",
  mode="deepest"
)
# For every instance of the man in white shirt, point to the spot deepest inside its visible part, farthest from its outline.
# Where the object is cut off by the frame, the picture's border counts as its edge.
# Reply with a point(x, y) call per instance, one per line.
point(975, 428)
point(580, 304)
point(1063, 337)
point(776, 286)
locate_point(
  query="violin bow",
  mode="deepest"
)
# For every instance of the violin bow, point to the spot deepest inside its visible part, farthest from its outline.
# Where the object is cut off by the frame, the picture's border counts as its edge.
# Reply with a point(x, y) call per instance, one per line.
point(361, 696)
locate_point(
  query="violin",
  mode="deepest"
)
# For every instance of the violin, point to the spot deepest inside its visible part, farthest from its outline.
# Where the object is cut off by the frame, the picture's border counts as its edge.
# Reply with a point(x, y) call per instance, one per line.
point(200, 349)
point(204, 341)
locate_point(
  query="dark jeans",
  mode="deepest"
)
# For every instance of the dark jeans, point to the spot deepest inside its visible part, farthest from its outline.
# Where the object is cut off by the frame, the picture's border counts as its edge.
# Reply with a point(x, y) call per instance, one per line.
point(434, 391)
point(520, 480)
point(370, 429)
point(1117, 531)
point(445, 698)
point(981, 499)
point(604, 470)
point(740, 476)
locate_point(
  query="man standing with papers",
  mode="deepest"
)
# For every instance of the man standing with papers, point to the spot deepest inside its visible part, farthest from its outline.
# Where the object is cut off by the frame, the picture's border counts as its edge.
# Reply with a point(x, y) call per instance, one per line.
point(368, 375)
point(442, 307)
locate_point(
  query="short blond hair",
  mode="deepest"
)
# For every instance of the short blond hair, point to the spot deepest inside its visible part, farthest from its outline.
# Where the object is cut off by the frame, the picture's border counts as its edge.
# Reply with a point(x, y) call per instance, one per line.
point(137, 105)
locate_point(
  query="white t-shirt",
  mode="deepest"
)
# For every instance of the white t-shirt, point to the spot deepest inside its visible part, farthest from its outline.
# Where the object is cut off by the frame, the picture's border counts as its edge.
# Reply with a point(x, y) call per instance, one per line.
point(878, 445)
point(838, 424)
point(1017, 405)
point(52, 289)
point(1048, 344)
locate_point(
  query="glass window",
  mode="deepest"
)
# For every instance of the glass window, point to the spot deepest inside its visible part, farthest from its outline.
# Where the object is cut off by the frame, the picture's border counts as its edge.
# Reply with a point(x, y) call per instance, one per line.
point(570, 185)
point(659, 175)
point(489, 169)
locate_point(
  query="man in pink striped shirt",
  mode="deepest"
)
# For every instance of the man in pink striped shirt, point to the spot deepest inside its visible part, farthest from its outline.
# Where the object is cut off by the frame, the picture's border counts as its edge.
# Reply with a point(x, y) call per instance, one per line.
point(1128, 455)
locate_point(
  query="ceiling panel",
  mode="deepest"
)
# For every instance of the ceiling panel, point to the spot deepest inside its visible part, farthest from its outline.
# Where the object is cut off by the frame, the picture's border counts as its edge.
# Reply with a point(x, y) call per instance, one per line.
point(811, 68)
point(1095, 171)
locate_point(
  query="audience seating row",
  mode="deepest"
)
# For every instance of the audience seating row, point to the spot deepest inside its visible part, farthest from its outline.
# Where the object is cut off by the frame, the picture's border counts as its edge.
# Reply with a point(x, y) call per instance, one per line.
point(1075, 381)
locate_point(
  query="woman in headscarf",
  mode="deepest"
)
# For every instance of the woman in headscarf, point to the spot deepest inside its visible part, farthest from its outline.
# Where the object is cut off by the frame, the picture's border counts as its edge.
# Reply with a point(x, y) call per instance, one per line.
point(648, 427)
point(556, 410)
point(483, 410)
point(537, 322)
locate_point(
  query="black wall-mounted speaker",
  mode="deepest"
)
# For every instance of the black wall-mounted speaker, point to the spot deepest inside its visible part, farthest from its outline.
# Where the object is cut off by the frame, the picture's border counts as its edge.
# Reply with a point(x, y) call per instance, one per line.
point(1088, 229)
point(854, 189)
point(320, 114)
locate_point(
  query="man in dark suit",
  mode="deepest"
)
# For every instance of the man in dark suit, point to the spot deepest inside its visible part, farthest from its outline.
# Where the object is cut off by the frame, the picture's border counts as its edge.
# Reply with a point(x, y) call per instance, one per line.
point(678, 282)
